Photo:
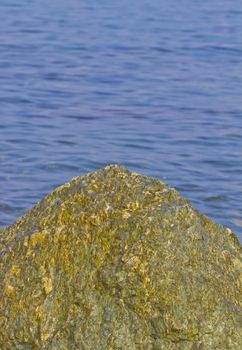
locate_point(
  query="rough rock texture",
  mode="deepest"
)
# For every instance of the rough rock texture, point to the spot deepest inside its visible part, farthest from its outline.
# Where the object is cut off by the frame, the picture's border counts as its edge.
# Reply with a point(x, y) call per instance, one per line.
point(115, 260)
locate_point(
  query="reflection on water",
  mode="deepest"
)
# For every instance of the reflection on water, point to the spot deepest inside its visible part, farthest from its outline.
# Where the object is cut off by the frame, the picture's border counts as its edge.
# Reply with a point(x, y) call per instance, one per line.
point(155, 86)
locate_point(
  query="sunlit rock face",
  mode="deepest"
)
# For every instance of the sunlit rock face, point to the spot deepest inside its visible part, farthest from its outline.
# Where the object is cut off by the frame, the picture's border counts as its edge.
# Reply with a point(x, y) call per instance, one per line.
point(116, 260)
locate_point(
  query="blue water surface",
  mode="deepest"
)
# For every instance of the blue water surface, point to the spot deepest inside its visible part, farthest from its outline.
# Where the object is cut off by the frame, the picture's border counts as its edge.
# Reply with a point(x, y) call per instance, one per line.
point(153, 85)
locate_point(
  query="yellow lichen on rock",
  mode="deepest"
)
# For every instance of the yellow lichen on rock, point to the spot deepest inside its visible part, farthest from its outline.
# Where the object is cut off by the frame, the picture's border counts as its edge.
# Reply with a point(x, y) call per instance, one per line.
point(47, 284)
point(119, 261)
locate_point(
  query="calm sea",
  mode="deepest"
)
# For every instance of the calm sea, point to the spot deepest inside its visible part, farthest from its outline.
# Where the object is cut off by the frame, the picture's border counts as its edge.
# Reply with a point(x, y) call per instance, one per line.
point(153, 85)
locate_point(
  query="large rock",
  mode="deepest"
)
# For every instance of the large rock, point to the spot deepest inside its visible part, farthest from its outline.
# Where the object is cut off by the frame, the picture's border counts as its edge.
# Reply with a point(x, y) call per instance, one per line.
point(115, 260)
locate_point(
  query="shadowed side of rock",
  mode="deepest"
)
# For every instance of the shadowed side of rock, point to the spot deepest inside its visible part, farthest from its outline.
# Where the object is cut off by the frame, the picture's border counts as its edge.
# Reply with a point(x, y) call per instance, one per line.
point(116, 260)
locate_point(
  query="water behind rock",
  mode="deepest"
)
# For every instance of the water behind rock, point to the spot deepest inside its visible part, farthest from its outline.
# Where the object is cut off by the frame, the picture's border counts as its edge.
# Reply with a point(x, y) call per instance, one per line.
point(155, 86)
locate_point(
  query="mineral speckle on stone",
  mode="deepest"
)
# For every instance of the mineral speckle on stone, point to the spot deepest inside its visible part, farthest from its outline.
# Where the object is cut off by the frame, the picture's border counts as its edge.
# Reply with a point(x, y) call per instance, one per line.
point(116, 260)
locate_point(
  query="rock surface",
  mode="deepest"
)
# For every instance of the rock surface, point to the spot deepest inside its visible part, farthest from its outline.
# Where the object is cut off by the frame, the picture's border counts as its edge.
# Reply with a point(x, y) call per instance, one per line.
point(116, 260)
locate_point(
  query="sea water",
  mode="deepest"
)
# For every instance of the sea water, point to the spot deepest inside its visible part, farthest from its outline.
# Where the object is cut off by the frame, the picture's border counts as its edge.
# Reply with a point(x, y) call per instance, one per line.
point(153, 85)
